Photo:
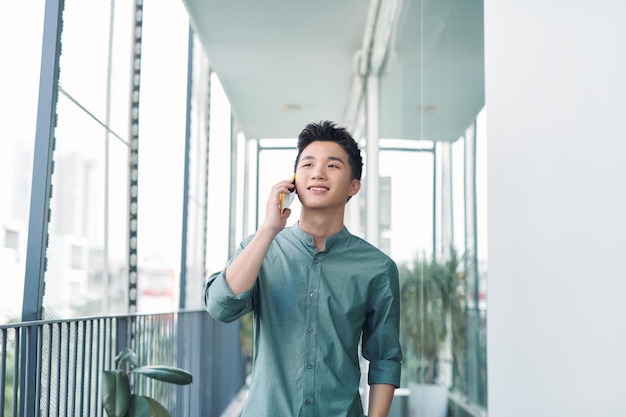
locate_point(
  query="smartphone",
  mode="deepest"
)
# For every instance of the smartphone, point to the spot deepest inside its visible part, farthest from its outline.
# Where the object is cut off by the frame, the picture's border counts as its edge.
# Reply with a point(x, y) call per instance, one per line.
point(287, 198)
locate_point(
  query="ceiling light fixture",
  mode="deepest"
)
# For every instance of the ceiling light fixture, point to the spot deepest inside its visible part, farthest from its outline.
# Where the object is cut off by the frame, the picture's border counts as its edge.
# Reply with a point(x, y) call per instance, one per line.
point(290, 107)
point(427, 108)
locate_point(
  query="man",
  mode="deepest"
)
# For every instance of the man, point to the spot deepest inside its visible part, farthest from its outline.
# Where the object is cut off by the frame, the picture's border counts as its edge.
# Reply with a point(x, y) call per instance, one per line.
point(316, 292)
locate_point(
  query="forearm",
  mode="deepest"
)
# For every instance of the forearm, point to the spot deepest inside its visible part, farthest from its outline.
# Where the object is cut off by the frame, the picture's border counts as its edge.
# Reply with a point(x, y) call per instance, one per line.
point(380, 399)
point(242, 273)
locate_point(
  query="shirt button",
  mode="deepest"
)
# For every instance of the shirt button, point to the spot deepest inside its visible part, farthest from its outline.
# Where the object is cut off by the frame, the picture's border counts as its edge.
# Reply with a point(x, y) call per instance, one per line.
point(309, 366)
point(307, 402)
point(316, 261)
point(310, 330)
point(312, 294)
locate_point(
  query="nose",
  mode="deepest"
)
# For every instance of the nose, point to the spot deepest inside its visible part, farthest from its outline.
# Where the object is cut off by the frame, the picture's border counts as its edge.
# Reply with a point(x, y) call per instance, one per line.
point(318, 173)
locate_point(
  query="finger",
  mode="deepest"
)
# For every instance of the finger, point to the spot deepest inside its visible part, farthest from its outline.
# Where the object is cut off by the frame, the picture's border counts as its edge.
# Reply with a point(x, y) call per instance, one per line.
point(286, 213)
point(283, 187)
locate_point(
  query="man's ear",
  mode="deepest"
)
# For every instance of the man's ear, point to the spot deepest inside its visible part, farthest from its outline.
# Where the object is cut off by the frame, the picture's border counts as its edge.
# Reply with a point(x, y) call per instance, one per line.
point(354, 187)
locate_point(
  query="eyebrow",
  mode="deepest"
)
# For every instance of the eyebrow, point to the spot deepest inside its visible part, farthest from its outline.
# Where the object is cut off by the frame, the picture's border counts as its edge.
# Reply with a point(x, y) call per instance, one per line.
point(330, 158)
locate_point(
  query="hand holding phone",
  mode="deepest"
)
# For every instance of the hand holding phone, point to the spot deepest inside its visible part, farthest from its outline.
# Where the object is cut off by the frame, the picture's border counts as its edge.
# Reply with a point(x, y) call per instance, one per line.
point(287, 198)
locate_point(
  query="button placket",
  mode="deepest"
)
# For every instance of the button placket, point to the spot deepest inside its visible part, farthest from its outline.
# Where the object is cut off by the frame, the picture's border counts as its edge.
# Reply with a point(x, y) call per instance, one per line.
point(310, 357)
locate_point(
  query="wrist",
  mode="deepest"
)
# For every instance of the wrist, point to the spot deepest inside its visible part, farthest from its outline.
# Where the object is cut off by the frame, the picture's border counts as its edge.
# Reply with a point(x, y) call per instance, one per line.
point(266, 232)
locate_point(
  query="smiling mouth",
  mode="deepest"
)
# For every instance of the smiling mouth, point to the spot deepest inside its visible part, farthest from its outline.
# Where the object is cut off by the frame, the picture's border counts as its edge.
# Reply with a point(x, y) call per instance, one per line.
point(318, 189)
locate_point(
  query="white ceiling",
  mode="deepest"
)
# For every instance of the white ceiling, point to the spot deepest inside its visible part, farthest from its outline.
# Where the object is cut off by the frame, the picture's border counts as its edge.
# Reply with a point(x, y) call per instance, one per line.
point(284, 63)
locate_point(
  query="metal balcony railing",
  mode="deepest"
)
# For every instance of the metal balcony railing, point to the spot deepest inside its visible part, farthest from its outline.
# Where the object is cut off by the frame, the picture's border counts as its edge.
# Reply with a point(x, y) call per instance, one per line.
point(54, 367)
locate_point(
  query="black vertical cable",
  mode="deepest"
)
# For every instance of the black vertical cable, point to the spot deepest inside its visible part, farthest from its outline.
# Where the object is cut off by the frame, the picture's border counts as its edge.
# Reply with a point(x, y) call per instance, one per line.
point(133, 159)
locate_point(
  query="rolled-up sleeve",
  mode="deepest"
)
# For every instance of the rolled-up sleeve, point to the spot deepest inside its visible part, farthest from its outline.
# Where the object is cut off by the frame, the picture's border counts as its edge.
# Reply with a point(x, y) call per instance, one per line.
point(381, 342)
point(221, 303)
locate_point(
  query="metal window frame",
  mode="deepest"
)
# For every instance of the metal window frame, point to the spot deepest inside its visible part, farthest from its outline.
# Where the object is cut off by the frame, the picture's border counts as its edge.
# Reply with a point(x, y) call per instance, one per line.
point(41, 191)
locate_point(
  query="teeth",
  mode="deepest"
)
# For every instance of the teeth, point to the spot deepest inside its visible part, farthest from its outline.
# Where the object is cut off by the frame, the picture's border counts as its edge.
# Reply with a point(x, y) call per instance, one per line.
point(318, 189)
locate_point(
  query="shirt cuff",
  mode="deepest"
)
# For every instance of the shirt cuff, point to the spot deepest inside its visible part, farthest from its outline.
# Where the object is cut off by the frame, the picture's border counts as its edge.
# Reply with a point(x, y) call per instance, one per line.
point(384, 372)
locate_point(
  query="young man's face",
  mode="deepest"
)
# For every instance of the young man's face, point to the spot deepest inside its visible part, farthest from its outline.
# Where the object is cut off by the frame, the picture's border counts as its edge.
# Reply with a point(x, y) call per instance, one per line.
point(324, 177)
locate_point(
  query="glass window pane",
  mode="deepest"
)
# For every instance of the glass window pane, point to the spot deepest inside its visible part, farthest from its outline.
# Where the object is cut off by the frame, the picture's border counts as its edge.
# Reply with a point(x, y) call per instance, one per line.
point(433, 90)
point(88, 244)
point(409, 203)
point(21, 30)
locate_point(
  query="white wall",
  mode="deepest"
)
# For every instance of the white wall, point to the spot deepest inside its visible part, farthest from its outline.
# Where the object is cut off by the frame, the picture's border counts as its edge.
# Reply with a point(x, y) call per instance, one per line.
point(556, 129)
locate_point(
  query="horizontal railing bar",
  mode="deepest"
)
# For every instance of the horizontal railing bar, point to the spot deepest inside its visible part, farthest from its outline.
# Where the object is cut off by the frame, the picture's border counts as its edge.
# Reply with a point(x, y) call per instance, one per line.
point(23, 324)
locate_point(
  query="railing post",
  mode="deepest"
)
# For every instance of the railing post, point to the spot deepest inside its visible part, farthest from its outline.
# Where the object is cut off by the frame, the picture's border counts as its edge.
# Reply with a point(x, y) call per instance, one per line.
point(121, 334)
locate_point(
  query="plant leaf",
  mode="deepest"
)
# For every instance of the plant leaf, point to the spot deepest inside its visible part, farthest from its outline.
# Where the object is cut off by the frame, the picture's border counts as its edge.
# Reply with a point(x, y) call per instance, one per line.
point(157, 409)
point(115, 393)
point(139, 407)
point(165, 373)
point(126, 355)
point(142, 406)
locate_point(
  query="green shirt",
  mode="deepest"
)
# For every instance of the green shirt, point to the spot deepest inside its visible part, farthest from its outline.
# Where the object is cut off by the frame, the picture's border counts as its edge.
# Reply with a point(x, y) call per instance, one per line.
point(311, 309)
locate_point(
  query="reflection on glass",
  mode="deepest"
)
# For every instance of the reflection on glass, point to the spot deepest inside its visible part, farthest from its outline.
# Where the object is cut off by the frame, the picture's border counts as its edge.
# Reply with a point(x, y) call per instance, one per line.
point(433, 91)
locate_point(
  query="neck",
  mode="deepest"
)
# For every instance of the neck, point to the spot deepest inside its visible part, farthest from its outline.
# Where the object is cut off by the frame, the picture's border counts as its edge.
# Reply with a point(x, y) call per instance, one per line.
point(320, 225)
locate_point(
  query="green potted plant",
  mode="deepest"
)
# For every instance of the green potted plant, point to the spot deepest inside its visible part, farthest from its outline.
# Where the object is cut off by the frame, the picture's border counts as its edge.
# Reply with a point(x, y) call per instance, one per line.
point(117, 397)
point(431, 306)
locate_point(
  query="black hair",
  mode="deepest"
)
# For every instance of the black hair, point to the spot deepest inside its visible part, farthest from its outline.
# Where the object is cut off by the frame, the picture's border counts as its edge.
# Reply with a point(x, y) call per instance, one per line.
point(328, 131)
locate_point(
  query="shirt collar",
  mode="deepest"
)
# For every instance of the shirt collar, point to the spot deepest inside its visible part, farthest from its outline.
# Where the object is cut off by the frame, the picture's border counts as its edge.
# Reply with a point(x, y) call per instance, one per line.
point(331, 241)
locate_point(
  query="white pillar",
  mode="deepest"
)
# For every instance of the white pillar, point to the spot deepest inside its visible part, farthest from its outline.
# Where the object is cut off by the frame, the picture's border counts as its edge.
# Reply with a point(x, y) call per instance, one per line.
point(372, 229)
point(556, 122)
